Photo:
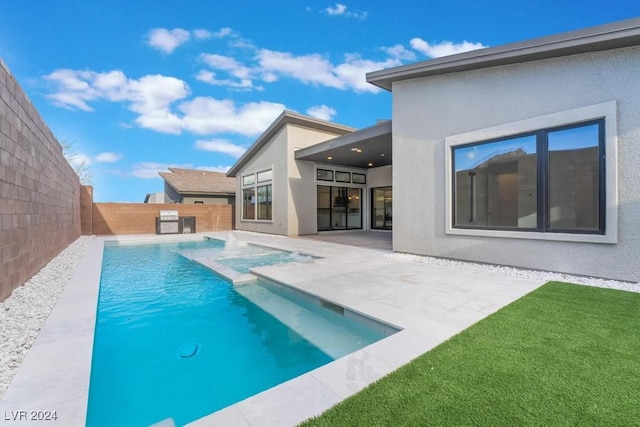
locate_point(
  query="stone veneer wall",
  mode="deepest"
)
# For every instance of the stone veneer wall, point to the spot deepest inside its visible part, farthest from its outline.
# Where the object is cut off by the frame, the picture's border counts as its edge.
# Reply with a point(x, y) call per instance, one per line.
point(39, 191)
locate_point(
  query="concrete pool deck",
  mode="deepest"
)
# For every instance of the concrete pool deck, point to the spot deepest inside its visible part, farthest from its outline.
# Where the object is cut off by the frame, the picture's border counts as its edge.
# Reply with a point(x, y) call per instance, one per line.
point(429, 303)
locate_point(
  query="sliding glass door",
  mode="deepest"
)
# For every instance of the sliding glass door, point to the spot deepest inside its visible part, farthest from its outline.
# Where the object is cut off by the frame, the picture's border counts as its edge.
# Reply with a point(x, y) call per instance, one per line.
point(382, 208)
point(339, 208)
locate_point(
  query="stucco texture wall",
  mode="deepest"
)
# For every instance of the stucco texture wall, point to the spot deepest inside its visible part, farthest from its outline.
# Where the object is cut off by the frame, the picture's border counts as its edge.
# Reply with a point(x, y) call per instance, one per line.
point(294, 195)
point(428, 110)
point(39, 191)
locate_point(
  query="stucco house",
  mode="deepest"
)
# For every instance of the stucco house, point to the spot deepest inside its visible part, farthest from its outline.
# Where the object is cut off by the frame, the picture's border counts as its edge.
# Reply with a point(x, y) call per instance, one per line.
point(525, 154)
point(190, 186)
point(305, 175)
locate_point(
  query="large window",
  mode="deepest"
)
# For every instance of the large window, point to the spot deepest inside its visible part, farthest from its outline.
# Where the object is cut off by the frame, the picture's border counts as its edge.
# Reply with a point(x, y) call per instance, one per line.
point(550, 180)
point(257, 196)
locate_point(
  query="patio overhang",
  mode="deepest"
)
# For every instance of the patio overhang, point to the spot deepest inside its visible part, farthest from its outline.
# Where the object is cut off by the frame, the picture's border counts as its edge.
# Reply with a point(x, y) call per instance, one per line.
point(366, 148)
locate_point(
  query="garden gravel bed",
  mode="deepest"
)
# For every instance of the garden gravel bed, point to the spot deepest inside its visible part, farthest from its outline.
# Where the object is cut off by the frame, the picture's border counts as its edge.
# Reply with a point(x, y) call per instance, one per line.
point(25, 311)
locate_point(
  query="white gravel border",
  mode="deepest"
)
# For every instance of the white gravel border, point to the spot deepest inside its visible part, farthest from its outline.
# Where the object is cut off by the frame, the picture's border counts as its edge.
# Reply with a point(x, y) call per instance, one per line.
point(543, 276)
point(25, 311)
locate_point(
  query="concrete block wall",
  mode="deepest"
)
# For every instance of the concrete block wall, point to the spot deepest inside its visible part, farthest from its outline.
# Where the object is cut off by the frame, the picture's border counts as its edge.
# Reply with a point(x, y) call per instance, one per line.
point(86, 210)
point(140, 218)
point(39, 191)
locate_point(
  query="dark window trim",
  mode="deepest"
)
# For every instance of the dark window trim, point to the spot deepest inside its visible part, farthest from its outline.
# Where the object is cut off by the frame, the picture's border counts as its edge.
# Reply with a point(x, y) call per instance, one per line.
point(346, 174)
point(364, 178)
point(542, 160)
point(269, 202)
point(322, 179)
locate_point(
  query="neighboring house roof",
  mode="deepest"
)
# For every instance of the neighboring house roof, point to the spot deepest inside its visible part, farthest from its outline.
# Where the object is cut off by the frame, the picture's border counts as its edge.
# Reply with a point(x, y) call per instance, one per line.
point(604, 37)
point(287, 117)
point(201, 182)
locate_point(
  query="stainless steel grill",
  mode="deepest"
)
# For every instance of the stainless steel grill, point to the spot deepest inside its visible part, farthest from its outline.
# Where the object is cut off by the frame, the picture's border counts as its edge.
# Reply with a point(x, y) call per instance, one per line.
point(168, 222)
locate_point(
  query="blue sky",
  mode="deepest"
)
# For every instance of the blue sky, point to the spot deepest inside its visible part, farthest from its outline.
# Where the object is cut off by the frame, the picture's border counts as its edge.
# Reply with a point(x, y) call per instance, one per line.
point(139, 86)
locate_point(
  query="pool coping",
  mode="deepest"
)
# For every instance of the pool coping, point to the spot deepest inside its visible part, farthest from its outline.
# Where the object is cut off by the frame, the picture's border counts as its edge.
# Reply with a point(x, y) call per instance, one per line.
point(71, 325)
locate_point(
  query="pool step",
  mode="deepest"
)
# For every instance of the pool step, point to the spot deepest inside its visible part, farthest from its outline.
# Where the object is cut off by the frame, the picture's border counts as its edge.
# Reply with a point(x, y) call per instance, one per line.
point(222, 270)
point(309, 318)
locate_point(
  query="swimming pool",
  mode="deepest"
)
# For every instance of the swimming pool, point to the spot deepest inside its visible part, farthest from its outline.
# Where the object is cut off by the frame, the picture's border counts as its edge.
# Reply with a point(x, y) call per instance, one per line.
point(174, 340)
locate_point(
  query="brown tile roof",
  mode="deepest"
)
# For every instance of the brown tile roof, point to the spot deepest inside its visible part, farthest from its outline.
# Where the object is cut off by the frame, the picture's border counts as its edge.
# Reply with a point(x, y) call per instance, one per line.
point(189, 181)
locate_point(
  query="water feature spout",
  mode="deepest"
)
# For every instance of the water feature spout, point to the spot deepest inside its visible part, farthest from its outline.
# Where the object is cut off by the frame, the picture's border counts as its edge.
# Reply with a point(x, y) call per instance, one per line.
point(231, 244)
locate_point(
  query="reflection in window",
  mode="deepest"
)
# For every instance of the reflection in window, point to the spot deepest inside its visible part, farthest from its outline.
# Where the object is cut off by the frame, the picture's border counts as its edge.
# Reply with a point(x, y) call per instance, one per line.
point(249, 179)
point(265, 176)
point(358, 178)
point(574, 179)
point(324, 175)
point(264, 202)
point(343, 176)
point(497, 183)
point(248, 203)
point(258, 188)
point(382, 215)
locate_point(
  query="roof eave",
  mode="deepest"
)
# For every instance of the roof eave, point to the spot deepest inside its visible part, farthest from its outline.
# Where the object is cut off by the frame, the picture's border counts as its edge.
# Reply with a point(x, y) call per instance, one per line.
point(605, 37)
point(286, 117)
point(357, 136)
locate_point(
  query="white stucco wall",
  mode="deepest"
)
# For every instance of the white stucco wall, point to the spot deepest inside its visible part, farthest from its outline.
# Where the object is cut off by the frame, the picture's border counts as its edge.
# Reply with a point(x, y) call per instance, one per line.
point(271, 155)
point(380, 177)
point(428, 110)
point(302, 213)
point(294, 193)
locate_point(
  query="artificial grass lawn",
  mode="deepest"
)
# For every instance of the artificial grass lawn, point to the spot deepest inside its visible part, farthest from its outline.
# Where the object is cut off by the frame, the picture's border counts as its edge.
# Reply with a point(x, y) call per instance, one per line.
point(562, 355)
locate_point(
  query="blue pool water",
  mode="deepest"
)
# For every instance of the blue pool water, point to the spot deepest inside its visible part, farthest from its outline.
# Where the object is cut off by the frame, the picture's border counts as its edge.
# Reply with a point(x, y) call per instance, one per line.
point(174, 340)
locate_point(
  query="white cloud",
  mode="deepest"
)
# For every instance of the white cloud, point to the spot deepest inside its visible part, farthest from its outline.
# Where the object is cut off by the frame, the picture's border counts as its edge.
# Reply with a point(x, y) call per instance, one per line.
point(150, 170)
point(223, 32)
point(201, 34)
point(205, 115)
point(226, 63)
point(107, 157)
point(167, 40)
point(353, 72)
point(318, 70)
point(443, 48)
point(242, 76)
point(341, 10)
point(150, 97)
point(322, 112)
point(313, 68)
point(338, 9)
point(399, 52)
point(77, 91)
point(153, 98)
point(209, 77)
point(220, 146)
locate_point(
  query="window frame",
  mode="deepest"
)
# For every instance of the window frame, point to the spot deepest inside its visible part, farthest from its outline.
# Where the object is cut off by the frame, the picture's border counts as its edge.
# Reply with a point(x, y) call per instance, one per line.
point(318, 170)
point(345, 177)
point(362, 178)
point(543, 189)
point(253, 185)
point(606, 111)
